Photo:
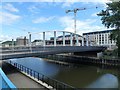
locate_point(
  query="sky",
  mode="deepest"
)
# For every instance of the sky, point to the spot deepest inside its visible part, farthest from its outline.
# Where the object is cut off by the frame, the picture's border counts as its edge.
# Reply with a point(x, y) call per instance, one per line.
point(17, 18)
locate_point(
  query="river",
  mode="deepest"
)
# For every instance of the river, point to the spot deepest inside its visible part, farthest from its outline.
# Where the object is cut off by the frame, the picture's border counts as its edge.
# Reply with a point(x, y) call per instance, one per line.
point(82, 76)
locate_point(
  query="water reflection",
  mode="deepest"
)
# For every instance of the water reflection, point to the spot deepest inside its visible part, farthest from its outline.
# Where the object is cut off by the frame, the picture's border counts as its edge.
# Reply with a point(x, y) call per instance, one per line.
point(80, 77)
point(105, 81)
point(38, 65)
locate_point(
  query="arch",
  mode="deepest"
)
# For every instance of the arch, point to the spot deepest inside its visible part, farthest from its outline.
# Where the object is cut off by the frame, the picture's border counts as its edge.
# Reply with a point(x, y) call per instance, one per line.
point(74, 38)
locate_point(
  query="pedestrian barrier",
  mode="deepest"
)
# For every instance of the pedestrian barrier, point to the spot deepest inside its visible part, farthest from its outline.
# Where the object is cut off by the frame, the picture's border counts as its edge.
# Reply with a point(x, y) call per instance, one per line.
point(5, 83)
point(45, 79)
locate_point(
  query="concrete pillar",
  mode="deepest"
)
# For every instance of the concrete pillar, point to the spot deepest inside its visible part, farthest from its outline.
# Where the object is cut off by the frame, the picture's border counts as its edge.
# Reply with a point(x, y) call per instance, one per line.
point(29, 39)
point(71, 39)
point(104, 39)
point(43, 38)
point(98, 40)
point(101, 39)
point(86, 40)
point(63, 38)
point(12, 44)
point(83, 41)
point(77, 41)
point(54, 38)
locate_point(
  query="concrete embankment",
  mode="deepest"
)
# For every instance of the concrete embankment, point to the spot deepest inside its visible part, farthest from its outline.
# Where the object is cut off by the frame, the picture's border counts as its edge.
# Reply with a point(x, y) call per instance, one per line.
point(72, 59)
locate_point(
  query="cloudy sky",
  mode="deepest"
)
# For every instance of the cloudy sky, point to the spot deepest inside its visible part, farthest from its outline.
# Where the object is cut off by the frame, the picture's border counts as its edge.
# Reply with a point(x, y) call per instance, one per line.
point(17, 18)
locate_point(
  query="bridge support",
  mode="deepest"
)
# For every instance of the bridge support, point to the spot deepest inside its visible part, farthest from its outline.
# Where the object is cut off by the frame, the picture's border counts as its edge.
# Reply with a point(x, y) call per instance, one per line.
point(43, 38)
point(82, 41)
point(71, 39)
point(87, 40)
point(12, 44)
point(77, 41)
point(63, 38)
point(54, 38)
point(29, 40)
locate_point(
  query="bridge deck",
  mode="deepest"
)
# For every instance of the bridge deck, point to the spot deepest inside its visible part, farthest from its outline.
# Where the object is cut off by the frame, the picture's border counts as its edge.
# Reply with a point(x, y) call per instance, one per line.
point(40, 51)
point(19, 80)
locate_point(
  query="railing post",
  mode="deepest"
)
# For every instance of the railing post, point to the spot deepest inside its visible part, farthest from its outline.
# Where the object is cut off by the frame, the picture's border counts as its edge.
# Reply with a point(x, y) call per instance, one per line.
point(43, 78)
point(30, 72)
point(38, 76)
point(27, 71)
point(34, 74)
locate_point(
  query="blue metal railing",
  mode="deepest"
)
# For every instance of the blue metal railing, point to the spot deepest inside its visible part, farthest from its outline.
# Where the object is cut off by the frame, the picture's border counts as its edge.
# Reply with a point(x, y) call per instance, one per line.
point(45, 79)
point(5, 82)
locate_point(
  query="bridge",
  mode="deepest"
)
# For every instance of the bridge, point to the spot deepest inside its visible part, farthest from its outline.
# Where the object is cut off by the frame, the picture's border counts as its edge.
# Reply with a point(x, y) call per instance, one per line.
point(71, 44)
point(68, 42)
point(56, 38)
point(39, 51)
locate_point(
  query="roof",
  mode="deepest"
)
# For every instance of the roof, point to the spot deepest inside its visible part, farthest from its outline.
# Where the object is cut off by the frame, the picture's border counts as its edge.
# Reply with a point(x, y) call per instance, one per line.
point(66, 36)
point(37, 40)
point(9, 42)
point(96, 32)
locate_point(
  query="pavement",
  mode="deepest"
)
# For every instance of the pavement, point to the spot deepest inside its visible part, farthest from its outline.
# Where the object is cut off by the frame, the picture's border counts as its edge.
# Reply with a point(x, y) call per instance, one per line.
point(18, 79)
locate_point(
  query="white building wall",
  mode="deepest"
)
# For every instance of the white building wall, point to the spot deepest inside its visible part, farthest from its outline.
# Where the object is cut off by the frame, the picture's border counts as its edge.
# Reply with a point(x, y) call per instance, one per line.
point(101, 39)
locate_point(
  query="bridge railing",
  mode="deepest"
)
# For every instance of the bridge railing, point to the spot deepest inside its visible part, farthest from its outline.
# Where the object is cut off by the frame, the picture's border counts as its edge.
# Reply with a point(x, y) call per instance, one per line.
point(45, 79)
point(5, 82)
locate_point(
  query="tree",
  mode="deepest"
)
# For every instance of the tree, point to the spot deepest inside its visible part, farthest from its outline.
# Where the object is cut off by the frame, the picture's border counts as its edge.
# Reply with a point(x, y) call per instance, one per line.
point(111, 19)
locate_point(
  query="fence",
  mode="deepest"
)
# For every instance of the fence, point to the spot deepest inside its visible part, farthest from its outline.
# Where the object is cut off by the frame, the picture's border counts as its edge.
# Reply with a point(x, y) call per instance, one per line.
point(5, 82)
point(40, 77)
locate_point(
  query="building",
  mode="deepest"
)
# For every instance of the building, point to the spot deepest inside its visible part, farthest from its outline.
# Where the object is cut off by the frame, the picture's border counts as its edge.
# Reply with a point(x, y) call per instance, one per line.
point(100, 38)
point(8, 43)
point(59, 40)
point(22, 41)
point(37, 42)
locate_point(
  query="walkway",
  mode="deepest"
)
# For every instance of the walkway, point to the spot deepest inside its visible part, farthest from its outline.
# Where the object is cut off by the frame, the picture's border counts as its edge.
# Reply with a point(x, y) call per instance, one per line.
point(18, 79)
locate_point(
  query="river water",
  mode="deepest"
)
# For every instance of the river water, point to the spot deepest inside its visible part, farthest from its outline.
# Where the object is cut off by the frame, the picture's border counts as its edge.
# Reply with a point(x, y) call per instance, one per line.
point(83, 76)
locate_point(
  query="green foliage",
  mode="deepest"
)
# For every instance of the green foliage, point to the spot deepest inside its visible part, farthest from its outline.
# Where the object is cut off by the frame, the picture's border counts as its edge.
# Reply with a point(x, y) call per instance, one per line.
point(111, 19)
point(110, 54)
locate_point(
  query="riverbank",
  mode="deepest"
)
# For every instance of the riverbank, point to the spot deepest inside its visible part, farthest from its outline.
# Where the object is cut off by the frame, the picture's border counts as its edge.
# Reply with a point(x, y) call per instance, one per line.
point(73, 59)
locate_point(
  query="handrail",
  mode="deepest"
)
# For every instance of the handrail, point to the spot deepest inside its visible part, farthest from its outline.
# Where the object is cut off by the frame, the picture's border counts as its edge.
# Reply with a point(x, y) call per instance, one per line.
point(6, 83)
point(39, 76)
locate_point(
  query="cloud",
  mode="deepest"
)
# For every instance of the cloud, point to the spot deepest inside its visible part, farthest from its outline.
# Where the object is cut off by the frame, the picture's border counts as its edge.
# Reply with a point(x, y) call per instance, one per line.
point(33, 9)
point(87, 25)
point(43, 19)
point(95, 14)
point(8, 18)
point(10, 8)
point(5, 38)
point(57, 0)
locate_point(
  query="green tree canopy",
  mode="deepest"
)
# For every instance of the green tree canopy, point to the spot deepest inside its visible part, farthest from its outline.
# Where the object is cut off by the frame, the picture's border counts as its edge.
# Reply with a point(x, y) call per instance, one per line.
point(111, 19)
